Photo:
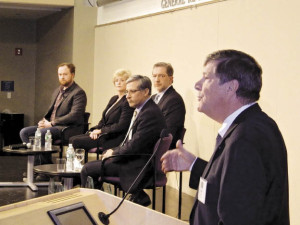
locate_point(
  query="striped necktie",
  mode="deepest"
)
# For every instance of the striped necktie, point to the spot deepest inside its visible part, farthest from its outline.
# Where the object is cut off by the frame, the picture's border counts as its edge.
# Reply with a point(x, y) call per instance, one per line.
point(156, 99)
point(129, 132)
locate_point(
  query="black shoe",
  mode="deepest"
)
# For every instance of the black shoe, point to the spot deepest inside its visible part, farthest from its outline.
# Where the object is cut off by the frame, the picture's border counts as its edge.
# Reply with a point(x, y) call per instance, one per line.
point(140, 198)
point(42, 177)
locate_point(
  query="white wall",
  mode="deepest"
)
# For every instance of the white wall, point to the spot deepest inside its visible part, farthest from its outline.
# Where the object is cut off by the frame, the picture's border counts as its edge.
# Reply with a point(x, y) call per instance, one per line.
point(269, 30)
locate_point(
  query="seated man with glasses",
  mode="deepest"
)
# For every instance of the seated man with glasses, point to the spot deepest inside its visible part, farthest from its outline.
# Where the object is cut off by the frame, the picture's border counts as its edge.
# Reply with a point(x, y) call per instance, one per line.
point(146, 124)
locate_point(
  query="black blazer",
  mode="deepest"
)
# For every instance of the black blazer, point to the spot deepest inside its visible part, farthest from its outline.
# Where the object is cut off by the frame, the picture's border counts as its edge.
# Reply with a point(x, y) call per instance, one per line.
point(71, 109)
point(145, 132)
point(247, 175)
point(172, 106)
point(115, 123)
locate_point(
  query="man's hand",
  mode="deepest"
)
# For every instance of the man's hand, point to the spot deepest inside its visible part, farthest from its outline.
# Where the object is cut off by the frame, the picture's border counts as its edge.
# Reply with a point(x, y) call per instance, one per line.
point(41, 123)
point(107, 154)
point(178, 159)
point(44, 123)
point(95, 134)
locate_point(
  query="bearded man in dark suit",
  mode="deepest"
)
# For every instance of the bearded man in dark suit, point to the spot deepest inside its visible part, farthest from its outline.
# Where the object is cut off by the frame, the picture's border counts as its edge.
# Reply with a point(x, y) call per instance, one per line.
point(246, 180)
point(67, 108)
point(144, 131)
point(168, 100)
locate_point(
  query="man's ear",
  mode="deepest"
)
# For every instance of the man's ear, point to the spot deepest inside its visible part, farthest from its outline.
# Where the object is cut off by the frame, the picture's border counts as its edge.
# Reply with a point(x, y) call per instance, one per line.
point(146, 91)
point(233, 86)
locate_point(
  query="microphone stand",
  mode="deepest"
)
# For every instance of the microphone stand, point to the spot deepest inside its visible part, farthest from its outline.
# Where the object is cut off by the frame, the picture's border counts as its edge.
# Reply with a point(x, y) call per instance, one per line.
point(104, 218)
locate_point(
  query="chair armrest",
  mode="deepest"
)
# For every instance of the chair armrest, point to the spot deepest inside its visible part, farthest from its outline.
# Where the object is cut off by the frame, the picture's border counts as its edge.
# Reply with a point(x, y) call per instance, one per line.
point(70, 131)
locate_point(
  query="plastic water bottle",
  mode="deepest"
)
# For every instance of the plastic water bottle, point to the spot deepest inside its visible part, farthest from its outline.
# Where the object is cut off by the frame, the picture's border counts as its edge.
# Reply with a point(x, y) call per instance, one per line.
point(37, 139)
point(70, 158)
point(48, 140)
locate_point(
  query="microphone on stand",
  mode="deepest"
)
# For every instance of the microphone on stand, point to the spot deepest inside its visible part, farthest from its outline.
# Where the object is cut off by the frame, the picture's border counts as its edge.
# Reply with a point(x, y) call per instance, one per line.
point(104, 218)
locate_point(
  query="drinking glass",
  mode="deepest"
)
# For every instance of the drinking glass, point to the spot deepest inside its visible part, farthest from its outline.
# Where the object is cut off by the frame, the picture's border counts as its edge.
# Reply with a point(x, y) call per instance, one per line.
point(61, 164)
point(31, 142)
point(79, 155)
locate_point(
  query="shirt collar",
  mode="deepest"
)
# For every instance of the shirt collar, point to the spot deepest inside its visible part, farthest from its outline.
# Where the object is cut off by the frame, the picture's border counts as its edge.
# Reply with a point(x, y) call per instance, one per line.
point(138, 109)
point(229, 120)
point(164, 91)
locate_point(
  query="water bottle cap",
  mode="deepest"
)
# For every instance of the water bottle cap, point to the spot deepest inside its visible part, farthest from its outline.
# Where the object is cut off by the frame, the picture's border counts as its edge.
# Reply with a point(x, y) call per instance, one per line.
point(70, 145)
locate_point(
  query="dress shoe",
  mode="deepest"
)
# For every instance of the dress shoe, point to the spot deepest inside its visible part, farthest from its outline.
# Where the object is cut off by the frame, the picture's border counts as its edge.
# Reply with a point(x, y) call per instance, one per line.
point(42, 177)
point(140, 198)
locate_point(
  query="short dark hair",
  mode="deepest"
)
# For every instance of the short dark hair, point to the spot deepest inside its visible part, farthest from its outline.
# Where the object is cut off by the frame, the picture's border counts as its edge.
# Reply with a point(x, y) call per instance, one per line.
point(168, 66)
point(71, 66)
point(237, 65)
point(144, 82)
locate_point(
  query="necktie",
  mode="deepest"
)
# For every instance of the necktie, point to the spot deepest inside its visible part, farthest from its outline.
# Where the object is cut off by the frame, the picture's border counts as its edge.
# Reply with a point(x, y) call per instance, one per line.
point(218, 139)
point(129, 132)
point(209, 164)
point(156, 99)
point(56, 104)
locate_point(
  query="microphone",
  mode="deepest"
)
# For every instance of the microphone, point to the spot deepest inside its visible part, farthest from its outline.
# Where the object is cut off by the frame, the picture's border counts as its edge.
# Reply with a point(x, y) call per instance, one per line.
point(104, 218)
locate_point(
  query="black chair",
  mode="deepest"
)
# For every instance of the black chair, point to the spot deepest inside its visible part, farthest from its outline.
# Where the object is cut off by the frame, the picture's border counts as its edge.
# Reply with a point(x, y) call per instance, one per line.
point(71, 131)
point(159, 178)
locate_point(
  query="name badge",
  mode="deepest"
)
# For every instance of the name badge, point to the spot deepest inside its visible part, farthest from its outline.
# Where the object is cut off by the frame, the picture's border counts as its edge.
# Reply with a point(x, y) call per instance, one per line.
point(202, 190)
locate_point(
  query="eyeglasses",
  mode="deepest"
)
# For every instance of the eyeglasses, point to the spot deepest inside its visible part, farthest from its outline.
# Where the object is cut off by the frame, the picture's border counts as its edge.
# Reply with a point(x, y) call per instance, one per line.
point(130, 92)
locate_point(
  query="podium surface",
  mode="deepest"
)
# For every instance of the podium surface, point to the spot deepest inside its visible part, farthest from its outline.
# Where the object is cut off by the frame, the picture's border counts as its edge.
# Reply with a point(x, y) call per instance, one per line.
point(35, 211)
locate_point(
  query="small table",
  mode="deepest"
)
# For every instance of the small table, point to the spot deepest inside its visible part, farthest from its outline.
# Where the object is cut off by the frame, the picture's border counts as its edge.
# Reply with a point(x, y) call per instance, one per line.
point(51, 171)
point(28, 182)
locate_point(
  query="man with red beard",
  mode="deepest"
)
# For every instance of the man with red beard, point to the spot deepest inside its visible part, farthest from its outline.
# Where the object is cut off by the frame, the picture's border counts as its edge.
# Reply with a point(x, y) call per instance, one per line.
point(67, 108)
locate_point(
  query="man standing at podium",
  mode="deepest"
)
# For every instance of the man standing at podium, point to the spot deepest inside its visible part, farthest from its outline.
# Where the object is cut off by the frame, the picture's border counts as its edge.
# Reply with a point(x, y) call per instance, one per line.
point(246, 179)
point(67, 108)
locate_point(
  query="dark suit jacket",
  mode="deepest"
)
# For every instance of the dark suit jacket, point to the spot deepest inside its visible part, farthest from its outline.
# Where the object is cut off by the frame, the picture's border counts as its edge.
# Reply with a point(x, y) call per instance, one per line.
point(173, 109)
point(145, 132)
point(71, 109)
point(247, 175)
point(115, 122)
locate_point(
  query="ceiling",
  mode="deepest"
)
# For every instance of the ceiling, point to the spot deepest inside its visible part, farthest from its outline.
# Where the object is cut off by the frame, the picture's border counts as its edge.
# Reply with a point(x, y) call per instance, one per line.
point(29, 12)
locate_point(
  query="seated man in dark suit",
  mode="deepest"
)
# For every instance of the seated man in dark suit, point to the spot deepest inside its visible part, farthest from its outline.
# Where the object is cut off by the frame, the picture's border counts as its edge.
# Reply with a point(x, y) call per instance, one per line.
point(168, 100)
point(67, 108)
point(144, 130)
point(246, 179)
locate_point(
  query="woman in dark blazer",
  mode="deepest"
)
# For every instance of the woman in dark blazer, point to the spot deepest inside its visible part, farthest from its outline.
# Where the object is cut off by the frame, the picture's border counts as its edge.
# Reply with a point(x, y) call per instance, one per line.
point(115, 119)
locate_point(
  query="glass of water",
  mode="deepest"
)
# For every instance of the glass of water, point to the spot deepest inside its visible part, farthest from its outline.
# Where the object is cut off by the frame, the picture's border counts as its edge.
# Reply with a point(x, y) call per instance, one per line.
point(79, 155)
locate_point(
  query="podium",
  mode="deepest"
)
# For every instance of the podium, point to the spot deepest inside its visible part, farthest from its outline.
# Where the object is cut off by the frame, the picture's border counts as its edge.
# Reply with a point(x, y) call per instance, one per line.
point(67, 206)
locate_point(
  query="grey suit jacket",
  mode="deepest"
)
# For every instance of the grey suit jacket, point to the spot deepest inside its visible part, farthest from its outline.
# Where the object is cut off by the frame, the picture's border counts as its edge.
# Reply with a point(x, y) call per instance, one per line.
point(71, 109)
point(247, 177)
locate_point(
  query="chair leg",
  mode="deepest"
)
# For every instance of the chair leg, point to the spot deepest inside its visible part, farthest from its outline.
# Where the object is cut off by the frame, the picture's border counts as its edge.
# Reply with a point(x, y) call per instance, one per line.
point(61, 150)
point(180, 195)
point(115, 190)
point(164, 200)
point(86, 157)
point(153, 198)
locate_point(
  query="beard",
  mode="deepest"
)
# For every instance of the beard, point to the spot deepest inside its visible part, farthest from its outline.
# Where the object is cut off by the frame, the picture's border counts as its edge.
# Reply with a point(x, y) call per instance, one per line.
point(65, 83)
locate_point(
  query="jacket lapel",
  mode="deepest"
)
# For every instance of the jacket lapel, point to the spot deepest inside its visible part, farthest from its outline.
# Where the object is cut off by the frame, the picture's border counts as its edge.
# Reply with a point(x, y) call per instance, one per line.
point(163, 98)
point(219, 148)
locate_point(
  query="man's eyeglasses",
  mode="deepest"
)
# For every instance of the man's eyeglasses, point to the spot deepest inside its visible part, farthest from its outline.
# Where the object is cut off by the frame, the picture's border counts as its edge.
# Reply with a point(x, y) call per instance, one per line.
point(130, 92)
